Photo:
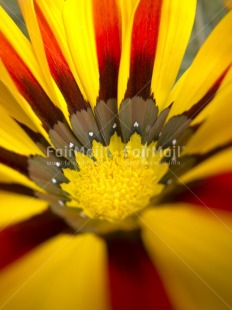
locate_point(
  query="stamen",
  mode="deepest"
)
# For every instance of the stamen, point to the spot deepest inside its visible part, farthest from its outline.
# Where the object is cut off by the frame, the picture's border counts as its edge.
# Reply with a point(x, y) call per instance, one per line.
point(113, 188)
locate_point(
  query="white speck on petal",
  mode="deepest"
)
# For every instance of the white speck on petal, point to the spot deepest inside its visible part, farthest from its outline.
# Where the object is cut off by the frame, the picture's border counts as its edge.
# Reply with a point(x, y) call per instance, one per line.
point(136, 124)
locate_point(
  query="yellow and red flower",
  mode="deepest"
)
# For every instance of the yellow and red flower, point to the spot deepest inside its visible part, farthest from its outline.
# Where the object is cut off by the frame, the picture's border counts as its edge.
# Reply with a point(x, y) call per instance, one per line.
point(115, 179)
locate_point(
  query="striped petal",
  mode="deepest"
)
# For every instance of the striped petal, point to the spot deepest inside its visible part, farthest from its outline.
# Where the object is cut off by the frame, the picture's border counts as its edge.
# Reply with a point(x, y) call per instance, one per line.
point(13, 109)
point(139, 52)
point(22, 237)
point(134, 281)
point(15, 207)
point(78, 15)
point(217, 119)
point(21, 73)
point(34, 282)
point(97, 42)
point(214, 58)
point(218, 163)
point(10, 175)
point(192, 248)
point(212, 192)
point(177, 19)
point(46, 29)
point(154, 46)
point(13, 138)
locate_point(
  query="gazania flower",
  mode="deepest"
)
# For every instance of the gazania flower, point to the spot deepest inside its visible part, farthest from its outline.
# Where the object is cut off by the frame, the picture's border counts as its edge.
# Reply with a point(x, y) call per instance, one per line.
point(115, 180)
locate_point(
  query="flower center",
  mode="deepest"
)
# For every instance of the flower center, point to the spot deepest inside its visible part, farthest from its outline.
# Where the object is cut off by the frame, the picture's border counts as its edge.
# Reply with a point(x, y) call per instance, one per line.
point(113, 187)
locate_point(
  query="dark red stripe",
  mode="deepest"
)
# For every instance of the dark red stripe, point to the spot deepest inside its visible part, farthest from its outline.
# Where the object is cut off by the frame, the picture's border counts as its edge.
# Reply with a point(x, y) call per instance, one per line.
point(196, 109)
point(188, 162)
point(134, 282)
point(35, 136)
point(17, 188)
point(213, 192)
point(107, 22)
point(59, 67)
point(28, 86)
point(14, 160)
point(17, 240)
point(143, 48)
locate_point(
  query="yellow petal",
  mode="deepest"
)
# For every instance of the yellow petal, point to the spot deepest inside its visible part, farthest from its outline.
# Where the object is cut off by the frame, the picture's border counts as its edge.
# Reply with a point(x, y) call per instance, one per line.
point(217, 123)
point(193, 251)
point(24, 50)
point(52, 12)
point(67, 272)
point(13, 108)
point(127, 8)
point(220, 101)
point(13, 138)
point(10, 175)
point(174, 31)
point(78, 16)
point(15, 207)
point(212, 60)
point(216, 164)
point(124, 69)
point(21, 45)
point(177, 19)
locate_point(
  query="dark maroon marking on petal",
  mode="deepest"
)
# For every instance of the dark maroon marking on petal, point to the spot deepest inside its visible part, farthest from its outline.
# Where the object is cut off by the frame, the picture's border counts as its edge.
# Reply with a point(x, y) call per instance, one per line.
point(134, 281)
point(196, 109)
point(143, 48)
point(19, 239)
point(28, 86)
point(108, 80)
point(14, 161)
point(212, 192)
point(59, 67)
point(39, 140)
point(35, 136)
point(187, 162)
point(108, 42)
point(17, 188)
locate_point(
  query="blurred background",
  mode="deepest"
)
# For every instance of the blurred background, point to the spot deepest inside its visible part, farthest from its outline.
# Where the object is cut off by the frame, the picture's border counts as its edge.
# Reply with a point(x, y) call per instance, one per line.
point(209, 13)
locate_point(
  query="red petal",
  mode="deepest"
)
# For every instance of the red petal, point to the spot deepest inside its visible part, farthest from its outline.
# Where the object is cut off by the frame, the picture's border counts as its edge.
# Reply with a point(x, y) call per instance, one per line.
point(17, 240)
point(107, 23)
point(143, 47)
point(134, 282)
point(213, 192)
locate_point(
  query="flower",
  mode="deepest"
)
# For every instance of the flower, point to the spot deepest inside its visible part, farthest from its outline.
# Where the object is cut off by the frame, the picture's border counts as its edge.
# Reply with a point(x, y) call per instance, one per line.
point(115, 180)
